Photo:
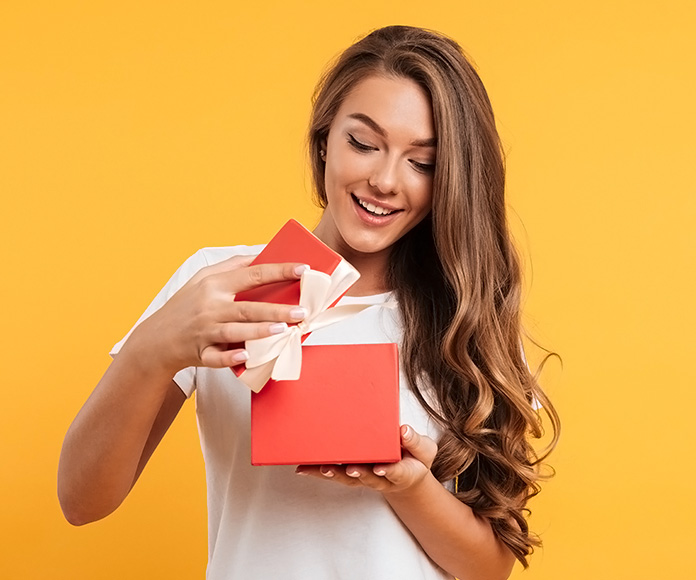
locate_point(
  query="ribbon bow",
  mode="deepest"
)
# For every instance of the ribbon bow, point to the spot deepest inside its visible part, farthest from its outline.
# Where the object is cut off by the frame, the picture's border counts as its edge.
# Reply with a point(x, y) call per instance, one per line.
point(279, 357)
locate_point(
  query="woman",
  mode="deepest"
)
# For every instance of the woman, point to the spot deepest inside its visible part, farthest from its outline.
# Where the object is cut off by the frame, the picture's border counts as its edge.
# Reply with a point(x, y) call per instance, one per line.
point(408, 168)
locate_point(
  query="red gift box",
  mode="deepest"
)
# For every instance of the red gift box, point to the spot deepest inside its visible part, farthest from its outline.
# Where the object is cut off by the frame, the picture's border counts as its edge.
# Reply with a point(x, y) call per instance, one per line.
point(345, 406)
point(292, 243)
point(343, 409)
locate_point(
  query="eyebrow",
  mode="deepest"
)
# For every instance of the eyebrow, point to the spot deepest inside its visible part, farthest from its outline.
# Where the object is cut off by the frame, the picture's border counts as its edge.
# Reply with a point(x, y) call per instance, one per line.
point(372, 124)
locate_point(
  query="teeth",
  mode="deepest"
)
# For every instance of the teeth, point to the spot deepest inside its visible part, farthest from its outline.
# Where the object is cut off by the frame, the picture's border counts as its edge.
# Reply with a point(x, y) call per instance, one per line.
point(374, 209)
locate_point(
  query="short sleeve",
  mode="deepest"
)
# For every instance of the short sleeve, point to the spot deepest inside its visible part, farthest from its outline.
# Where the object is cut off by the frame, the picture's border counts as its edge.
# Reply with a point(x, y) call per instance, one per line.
point(186, 378)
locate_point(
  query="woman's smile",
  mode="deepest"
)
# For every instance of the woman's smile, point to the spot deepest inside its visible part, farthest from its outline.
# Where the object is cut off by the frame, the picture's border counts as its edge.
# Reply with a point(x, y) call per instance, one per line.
point(377, 211)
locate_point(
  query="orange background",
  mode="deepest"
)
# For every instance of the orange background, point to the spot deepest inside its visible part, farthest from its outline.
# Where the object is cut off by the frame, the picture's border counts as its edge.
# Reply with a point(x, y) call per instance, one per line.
point(133, 133)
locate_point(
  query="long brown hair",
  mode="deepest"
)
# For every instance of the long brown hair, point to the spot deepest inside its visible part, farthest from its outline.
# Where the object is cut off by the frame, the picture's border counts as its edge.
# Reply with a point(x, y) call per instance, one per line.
point(457, 279)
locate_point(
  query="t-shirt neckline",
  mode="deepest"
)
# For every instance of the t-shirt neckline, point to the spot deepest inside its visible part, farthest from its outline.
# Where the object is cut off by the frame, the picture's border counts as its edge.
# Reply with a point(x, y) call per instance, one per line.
point(370, 299)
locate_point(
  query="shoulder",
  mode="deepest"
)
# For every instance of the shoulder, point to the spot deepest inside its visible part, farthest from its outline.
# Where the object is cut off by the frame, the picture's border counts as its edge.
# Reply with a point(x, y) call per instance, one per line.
point(202, 258)
point(213, 255)
point(193, 264)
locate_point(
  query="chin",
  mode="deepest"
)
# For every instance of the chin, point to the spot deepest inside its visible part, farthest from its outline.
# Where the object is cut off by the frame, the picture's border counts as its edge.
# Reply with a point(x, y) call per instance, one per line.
point(366, 245)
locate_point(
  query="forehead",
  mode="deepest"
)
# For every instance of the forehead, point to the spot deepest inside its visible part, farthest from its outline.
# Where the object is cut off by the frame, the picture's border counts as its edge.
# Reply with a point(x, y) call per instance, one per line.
point(397, 104)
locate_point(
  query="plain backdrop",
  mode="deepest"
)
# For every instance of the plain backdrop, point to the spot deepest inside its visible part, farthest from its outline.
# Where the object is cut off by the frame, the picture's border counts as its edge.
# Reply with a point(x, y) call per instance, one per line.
point(134, 133)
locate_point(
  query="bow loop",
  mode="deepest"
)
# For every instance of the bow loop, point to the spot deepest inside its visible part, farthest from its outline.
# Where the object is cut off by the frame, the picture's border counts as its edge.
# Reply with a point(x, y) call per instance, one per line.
point(280, 356)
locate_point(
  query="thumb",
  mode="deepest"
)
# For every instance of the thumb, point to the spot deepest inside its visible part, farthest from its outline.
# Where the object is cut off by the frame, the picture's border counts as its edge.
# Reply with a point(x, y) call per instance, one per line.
point(422, 447)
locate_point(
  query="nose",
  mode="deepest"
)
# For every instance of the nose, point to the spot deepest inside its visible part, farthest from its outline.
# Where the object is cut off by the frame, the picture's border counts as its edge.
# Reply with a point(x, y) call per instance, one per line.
point(385, 175)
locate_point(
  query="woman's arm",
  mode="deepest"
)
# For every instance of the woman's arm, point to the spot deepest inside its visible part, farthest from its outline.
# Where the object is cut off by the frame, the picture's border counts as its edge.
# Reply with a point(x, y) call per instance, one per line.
point(122, 422)
point(447, 529)
point(113, 435)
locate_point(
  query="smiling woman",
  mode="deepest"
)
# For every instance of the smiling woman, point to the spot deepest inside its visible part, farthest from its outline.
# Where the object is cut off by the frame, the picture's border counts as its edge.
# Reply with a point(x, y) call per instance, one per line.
point(455, 271)
point(407, 165)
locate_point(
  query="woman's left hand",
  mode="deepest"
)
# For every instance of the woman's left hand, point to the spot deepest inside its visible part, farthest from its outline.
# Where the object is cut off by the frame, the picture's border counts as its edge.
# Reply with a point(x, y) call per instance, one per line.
point(417, 457)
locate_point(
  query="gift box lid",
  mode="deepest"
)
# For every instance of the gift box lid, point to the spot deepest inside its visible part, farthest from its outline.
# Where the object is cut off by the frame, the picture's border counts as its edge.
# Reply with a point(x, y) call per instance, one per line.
point(292, 243)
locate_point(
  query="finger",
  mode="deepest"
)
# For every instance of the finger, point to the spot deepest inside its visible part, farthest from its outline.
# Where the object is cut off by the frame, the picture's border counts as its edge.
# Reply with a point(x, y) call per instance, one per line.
point(233, 263)
point(228, 265)
point(260, 312)
point(234, 333)
point(253, 276)
point(394, 473)
point(356, 471)
point(420, 446)
point(338, 473)
point(311, 470)
point(404, 473)
point(328, 473)
point(367, 477)
point(217, 357)
point(325, 472)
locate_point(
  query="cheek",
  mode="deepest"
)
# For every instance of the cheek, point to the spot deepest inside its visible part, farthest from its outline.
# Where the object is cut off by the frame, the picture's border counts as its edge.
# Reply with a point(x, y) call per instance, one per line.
point(424, 199)
point(342, 171)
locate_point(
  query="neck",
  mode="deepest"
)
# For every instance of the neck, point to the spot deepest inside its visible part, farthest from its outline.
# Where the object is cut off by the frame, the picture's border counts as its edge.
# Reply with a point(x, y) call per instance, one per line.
point(372, 274)
point(372, 266)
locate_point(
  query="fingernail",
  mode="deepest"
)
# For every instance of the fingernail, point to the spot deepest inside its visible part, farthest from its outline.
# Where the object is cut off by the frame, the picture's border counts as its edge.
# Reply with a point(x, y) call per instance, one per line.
point(380, 472)
point(407, 432)
point(326, 472)
point(277, 328)
point(298, 471)
point(240, 357)
point(353, 473)
point(298, 313)
point(300, 269)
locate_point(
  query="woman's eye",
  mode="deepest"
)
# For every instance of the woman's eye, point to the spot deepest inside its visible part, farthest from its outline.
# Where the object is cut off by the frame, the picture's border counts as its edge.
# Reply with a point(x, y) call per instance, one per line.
point(358, 145)
point(424, 167)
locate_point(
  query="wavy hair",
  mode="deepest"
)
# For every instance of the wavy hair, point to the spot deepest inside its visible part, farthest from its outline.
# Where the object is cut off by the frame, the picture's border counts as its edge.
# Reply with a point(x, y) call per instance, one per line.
point(457, 279)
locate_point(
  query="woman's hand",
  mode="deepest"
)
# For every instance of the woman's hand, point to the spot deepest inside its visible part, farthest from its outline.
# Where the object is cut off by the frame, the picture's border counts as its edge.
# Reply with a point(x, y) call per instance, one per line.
point(405, 475)
point(447, 529)
point(203, 325)
point(122, 422)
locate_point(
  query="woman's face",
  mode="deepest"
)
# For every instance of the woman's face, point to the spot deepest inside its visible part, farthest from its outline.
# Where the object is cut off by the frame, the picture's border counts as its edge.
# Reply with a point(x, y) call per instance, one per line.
point(380, 159)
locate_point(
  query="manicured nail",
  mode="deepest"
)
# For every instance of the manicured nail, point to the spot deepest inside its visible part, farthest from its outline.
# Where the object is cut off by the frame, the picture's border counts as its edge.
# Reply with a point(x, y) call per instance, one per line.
point(380, 471)
point(326, 472)
point(300, 269)
point(240, 357)
point(298, 313)
point(353, 473)
point(277, 328)
point(298, 471)
point(408, 432)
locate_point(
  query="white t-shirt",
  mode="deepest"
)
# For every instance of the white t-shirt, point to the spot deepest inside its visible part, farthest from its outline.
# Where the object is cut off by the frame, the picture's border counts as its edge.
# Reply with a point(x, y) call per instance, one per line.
point(266, 522)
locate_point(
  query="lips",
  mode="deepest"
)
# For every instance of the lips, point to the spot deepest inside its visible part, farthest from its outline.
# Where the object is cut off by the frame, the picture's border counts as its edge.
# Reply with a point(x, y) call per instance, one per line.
point(374, 209)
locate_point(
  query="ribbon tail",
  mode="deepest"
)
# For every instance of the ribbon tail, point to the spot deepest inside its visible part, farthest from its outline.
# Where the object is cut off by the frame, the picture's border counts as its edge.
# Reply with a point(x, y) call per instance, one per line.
point(263, 350)
point(336, 314)
point(288, 365)
point(257, 377)
point(343, 277)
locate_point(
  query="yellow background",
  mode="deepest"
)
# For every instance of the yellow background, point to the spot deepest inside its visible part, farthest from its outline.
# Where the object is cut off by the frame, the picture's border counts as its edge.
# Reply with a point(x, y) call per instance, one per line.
point(133, 133)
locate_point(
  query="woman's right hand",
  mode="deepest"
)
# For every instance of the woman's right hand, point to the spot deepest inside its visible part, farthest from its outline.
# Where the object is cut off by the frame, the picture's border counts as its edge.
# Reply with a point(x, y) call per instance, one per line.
point(202, 324)
point(124, 419)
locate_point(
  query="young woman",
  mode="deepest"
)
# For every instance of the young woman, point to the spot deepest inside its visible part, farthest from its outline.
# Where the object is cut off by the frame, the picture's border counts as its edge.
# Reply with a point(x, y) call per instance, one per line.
point(407, 165)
